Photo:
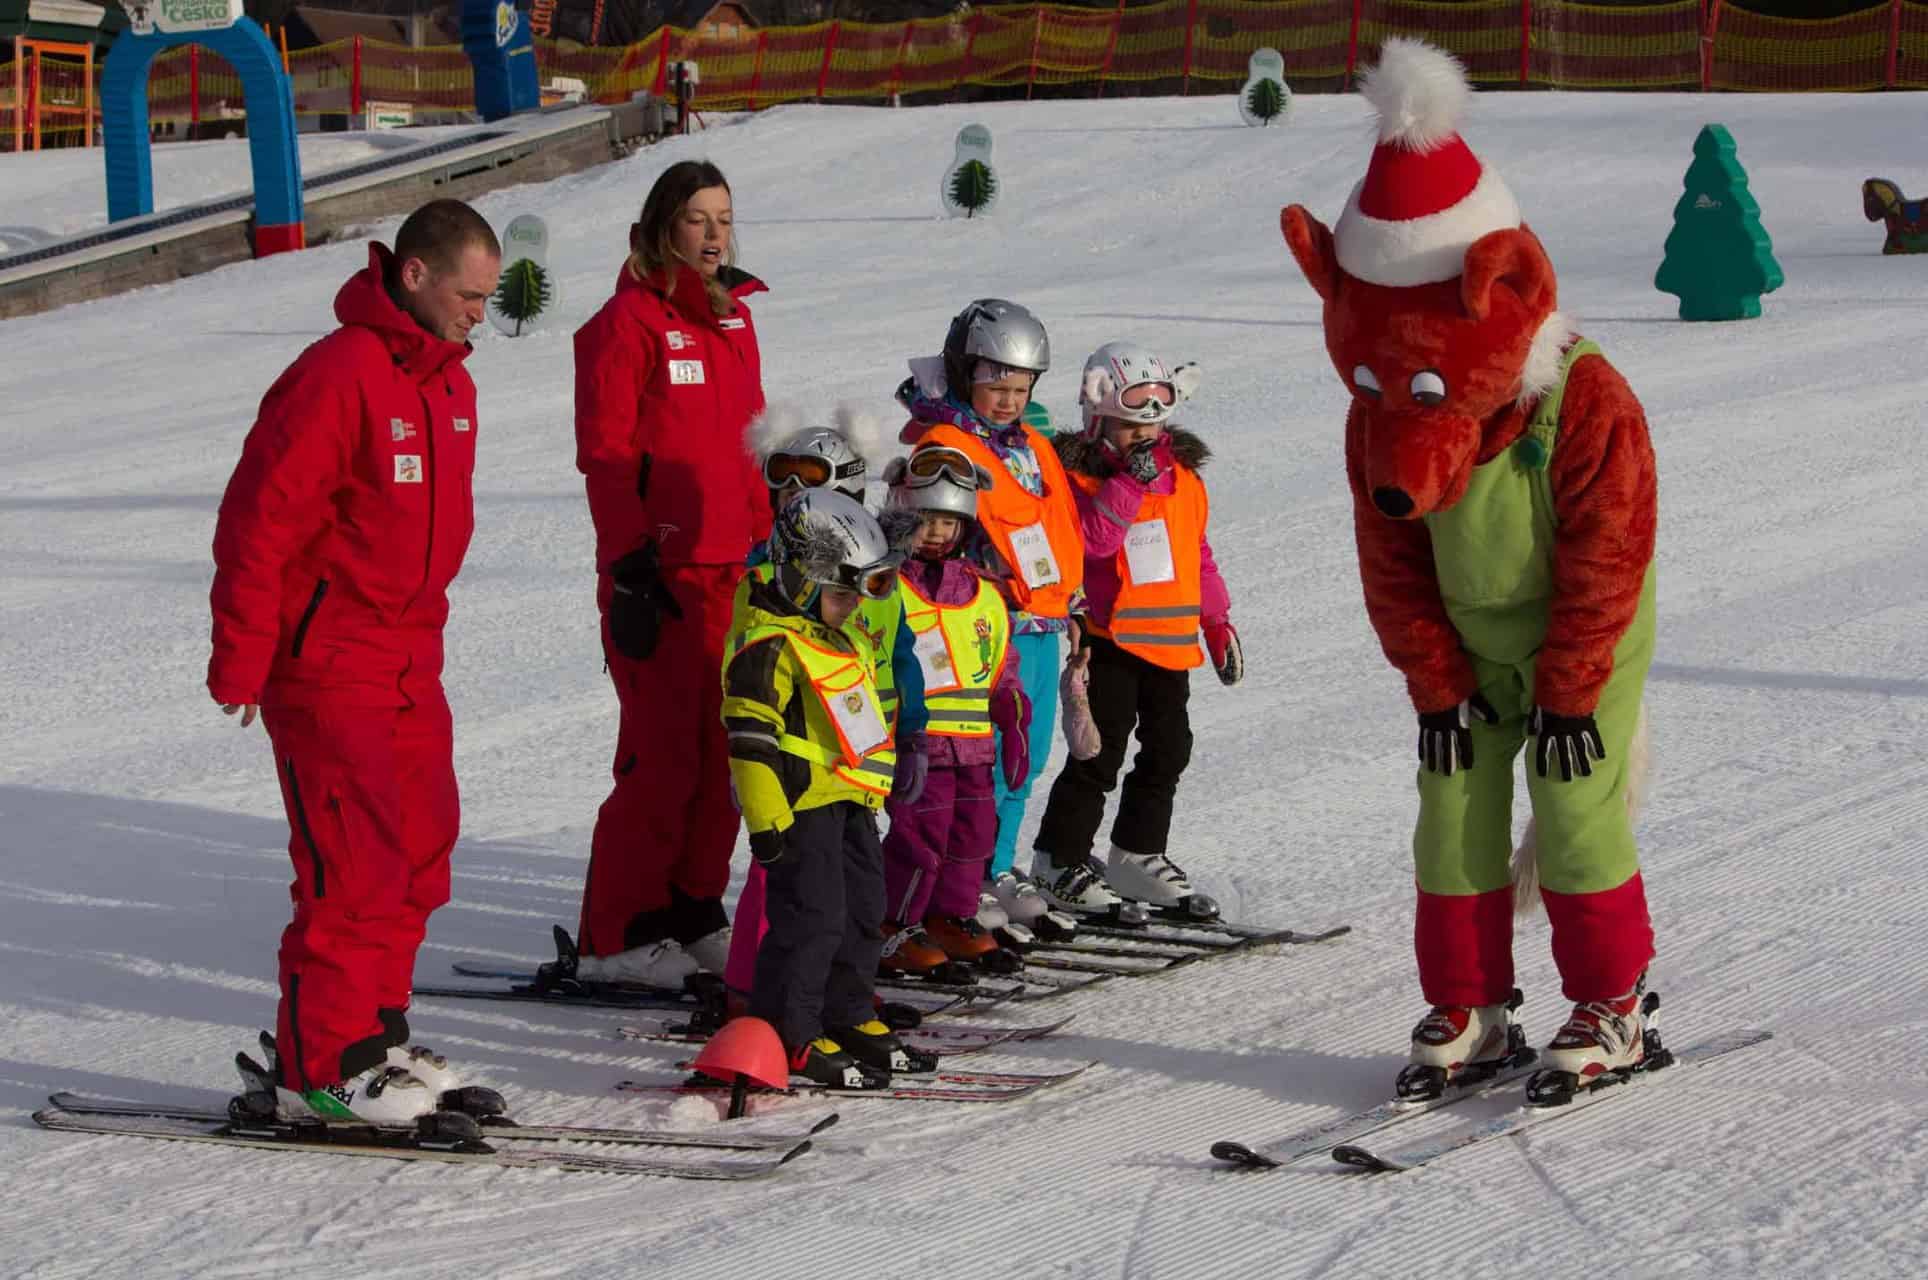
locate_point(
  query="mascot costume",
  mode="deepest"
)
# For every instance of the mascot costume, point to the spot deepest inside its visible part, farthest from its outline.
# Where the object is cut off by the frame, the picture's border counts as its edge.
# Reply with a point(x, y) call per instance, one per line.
point(1504, 506)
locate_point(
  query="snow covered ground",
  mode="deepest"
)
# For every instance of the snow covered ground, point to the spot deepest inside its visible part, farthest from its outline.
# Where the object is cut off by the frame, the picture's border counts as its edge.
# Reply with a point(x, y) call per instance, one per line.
point(142, 882)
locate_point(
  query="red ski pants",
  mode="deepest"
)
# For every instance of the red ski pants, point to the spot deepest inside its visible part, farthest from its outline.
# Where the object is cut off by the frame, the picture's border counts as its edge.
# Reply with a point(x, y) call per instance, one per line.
point(372, 814)
point(670, 820)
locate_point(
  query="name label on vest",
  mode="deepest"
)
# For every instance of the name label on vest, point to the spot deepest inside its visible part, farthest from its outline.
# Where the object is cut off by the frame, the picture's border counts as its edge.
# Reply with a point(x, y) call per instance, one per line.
point(1031, 549)
point(858, 720)
point(1148, 552)
point(934, 655)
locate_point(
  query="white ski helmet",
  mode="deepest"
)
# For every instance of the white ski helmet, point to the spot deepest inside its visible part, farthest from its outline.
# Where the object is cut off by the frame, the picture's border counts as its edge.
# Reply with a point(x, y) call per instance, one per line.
point(1129, 382)
point(794, 455)
point(936, 477)
point(824, 538)
point(993, 329)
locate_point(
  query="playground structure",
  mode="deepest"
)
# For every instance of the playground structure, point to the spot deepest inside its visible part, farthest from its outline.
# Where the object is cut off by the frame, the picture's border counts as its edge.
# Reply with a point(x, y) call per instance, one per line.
point(1906, 220)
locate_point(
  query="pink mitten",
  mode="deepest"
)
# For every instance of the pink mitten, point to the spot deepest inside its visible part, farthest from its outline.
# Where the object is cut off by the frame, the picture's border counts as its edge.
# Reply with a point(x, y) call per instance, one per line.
point(1080, 730)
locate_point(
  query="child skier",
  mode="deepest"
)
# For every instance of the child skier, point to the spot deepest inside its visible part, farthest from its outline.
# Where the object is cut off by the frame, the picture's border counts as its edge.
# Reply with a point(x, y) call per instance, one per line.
point(811, 761)
point(1150, 578)
point(941, 839)
point(972, 398)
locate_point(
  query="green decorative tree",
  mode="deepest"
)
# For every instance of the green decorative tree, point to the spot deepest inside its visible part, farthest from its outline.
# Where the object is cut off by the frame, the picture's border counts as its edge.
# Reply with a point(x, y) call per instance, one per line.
point(973, 186)
point(1265, 101)
point(1719, 260)
point(524, 293)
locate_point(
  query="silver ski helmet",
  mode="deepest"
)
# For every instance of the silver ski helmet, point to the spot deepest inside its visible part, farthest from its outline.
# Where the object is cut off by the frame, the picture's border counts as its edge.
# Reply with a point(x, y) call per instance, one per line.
point(1127, 381)
point(814, 457)
point(993, 329)
point(824, 538)
point(936, 477)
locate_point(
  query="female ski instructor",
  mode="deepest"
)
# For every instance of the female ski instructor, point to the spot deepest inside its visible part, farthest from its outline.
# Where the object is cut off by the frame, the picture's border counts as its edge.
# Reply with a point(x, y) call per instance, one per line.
point(667, 380)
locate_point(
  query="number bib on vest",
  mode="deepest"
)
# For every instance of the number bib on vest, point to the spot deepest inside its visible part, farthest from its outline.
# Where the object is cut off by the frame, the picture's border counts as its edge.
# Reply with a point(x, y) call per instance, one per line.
point(1148, 552)
point(1036, 564)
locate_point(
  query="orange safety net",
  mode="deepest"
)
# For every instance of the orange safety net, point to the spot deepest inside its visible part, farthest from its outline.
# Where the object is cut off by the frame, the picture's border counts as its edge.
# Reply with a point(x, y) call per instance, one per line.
point(439, 77)
point(1782, 55)
point(1485, 34)
point(1911, 61)
point(1583, 46)
point(1312, 35)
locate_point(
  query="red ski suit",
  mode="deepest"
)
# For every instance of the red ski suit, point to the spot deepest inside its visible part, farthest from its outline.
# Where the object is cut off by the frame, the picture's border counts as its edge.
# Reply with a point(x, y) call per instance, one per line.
point(665, 389)
point(341, 528)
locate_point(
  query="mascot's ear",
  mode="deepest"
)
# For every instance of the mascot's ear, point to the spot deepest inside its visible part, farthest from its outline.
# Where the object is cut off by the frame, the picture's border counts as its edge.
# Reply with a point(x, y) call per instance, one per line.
point(1512, 258)
point(1311, 244)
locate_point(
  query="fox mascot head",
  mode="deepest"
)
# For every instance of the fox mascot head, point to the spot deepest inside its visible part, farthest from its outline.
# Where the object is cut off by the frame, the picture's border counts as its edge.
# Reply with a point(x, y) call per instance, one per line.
point(1441, 307)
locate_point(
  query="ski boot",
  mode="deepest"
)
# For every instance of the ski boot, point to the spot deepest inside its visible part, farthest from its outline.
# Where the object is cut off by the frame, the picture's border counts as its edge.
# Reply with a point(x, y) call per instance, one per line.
point(661, 965)
point(967, 941)
point(1157, 881)
point(1461, 1045)
point(1019, 897)
point(1079, 888)
point(991, 913)
point(1604, 1042)
point(448, 1093)
point(897, 1015)
point(825, 1063)
point(876, 1046)
point(909, 952)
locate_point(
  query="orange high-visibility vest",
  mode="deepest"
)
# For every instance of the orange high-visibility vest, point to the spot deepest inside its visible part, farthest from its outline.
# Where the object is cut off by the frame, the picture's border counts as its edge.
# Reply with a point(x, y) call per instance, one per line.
point(1007, 509)
point(1158, 621)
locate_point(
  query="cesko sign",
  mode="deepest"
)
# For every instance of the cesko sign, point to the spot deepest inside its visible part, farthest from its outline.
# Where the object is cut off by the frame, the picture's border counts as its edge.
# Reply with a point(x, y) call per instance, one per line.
point(148, 16)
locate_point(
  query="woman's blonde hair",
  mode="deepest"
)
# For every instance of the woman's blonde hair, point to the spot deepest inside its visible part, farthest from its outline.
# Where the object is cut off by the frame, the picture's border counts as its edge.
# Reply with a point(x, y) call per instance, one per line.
point(651, 252)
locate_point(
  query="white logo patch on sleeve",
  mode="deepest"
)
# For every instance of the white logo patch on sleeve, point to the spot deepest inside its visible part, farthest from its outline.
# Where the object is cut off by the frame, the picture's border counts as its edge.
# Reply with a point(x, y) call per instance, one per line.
point(408, 468)
point(731, 322)
point(461, 424)
point(399, 430)
point(685, 372)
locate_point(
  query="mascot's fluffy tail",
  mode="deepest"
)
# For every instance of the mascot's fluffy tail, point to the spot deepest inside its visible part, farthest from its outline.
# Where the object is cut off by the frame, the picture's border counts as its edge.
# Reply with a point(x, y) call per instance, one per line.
point(1526, 858)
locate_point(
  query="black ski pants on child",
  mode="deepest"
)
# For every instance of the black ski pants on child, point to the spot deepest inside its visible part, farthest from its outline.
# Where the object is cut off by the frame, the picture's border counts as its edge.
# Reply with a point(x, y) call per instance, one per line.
point(824, 901)
point(1125, 690)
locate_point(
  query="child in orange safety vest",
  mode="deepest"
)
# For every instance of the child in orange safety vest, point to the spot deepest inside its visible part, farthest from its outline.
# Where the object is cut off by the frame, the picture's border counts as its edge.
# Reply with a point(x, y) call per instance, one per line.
point(1150, 585)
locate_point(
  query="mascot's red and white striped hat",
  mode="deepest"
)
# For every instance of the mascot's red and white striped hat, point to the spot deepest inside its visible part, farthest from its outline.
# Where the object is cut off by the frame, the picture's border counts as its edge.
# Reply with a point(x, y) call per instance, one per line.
point(1425, 196)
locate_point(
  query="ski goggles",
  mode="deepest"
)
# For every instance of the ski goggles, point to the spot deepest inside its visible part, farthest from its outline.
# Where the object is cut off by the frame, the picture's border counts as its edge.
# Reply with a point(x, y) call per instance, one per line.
point(806, 471)
point(874, 582)
point(1141, 394)
point(929, 465)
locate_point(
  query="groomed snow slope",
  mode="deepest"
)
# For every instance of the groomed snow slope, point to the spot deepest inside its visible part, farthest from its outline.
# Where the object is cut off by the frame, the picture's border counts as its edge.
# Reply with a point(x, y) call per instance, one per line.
point(142, 858)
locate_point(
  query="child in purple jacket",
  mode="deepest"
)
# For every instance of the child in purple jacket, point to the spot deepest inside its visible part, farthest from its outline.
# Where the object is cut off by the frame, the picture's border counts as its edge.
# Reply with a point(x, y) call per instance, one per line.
point(941, 841)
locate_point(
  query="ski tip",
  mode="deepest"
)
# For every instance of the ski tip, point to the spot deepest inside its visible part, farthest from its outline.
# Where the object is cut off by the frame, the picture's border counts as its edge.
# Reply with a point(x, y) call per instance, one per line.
point(1237, 1153)
point(824, 1123)
point(1360, 1158)
point(796, 1151)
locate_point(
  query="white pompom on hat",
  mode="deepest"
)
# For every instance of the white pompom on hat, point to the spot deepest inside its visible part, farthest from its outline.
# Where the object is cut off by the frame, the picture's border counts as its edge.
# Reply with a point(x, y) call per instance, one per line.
point(1425, 197)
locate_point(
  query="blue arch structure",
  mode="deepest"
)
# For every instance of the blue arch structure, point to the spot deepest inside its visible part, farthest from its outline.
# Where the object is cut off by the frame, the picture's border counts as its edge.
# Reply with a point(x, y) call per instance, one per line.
point(495, 34)
point(271, 128)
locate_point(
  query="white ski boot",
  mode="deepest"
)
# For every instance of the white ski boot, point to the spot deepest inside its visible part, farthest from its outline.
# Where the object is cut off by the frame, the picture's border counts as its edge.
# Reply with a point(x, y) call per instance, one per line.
point(1019, 897)
point(1602, 1041)
point(381, 1095)
point(1080, 888)
point(1157, 881)
point(991, 913)
point(711, 952)
point(1460, 1045)
point(662, 964)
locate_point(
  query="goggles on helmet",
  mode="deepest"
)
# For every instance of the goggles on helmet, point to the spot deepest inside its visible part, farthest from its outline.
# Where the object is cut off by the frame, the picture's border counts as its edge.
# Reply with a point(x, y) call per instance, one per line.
point(927, 465)
point(806, 471)
point(875, 582)
point(1143, 393)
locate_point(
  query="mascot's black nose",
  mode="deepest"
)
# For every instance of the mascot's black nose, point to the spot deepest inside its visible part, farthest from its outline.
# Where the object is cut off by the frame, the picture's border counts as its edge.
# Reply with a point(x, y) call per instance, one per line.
point(1393, 502)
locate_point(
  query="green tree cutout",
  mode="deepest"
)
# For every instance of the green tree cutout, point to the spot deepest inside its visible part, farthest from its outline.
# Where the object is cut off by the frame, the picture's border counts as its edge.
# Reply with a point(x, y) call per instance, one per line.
point(524, 293)
point(1718, 258)
point(1265, 101)
point(973, 187)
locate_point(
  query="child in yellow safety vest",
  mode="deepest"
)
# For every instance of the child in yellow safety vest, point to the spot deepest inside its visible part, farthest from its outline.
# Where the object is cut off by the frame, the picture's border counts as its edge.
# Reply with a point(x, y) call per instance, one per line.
point(811, 761)
point(942, 835)
point(1150, 582)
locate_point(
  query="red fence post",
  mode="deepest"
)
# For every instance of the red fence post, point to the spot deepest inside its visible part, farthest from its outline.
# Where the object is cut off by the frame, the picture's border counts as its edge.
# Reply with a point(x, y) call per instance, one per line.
point(903, 51)
point(756, 71)
point(1894, 38)
point(1037, 38)
point(354, 82)
point(1191, 22)
point(1707, 48)
point(1352, 44)
point(662, 63)
point(194, 86)
point(970, 46)
point(1111, 46)
point(1526, 37)
point(829, 51)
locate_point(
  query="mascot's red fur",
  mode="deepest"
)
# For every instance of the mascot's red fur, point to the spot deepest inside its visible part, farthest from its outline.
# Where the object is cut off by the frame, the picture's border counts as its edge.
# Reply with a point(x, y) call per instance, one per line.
point(1441, 316)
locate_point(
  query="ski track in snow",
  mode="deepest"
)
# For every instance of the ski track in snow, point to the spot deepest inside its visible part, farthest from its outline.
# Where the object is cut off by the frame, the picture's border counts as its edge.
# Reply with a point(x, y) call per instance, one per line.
point(143, 884)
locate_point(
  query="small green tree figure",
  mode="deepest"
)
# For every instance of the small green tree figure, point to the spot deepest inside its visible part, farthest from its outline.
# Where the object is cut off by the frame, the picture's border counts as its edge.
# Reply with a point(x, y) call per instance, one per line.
point(524, 293)
point(1265, 101)
point(973, 186)
point(1718, 259)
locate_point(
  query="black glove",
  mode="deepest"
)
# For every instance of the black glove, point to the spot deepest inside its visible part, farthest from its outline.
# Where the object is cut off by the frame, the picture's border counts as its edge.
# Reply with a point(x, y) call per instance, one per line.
point(1446, 737)
point(640, 603)
point(767, 846)
point(1573, 740)
point(1142, 462)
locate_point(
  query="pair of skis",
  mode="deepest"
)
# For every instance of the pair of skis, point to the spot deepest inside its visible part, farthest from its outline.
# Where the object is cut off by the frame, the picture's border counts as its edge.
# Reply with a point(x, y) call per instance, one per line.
point(1344, 1136)
point(943, 1085)
point(945, 1040)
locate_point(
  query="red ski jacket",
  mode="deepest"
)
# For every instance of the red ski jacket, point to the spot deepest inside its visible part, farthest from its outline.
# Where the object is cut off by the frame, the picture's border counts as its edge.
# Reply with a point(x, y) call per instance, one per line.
point(664, 391)
point(347, 516)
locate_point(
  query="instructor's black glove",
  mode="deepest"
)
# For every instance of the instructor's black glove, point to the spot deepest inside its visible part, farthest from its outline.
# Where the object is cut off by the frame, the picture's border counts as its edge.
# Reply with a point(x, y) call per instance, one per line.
point(1572, 740)
point(1446, 737)
point(767, 846)
point(641, 601)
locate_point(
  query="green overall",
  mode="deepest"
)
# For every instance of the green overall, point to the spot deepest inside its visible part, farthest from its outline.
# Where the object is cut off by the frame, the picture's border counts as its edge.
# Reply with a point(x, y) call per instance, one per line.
point(1494, 555)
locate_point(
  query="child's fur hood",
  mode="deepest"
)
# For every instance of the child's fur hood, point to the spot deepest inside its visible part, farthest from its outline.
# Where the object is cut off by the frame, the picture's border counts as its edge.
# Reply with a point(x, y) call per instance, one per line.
point(1090, 457)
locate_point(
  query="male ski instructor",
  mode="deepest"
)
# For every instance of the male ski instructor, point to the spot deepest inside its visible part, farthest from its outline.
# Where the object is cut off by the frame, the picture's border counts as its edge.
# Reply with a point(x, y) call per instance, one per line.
point(341, 529)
